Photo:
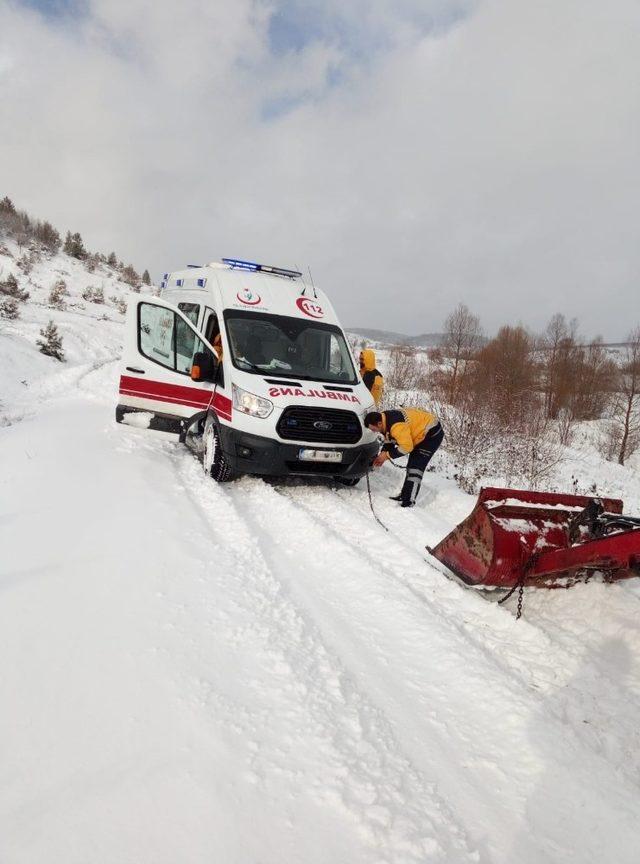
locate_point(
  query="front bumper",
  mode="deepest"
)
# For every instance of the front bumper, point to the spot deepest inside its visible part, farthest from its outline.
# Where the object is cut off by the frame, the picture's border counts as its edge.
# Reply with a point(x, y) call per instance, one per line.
point(253, 454)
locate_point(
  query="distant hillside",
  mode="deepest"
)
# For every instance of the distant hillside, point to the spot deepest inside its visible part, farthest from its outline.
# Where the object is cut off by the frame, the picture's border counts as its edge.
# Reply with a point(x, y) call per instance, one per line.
point(389, 337)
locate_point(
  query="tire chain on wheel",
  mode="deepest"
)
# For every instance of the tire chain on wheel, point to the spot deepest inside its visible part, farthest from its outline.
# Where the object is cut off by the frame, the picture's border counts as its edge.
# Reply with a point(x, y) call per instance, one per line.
point(220, 469)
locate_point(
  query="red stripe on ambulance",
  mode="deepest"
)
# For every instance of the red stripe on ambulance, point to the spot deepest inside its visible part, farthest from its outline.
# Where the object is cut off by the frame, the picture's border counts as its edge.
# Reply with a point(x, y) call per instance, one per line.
point(159, 391)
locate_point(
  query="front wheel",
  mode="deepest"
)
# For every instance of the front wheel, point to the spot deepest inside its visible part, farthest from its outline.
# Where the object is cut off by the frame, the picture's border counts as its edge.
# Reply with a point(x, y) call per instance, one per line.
point(214, 461)
point(348, 481)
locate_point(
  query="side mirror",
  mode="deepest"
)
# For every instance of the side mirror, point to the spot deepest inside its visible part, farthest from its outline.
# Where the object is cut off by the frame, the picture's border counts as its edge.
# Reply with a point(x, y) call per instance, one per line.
point(203, 367)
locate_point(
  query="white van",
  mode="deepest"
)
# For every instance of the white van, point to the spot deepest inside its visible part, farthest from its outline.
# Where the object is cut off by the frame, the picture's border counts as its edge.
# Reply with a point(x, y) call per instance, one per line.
point(253, 359)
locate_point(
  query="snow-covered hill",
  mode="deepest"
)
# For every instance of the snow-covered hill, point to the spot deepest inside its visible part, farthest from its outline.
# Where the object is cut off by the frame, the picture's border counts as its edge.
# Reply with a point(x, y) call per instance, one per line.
point(258, 673)
point(91, 332)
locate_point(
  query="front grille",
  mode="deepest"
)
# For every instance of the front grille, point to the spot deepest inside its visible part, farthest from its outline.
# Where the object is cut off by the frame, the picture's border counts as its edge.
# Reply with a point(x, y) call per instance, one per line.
point(301, 424)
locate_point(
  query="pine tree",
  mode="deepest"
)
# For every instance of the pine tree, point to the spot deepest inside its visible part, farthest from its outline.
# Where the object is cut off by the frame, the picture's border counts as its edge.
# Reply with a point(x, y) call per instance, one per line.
point(10, 285)
point(11, 288)
point(57, 294)
point(6, 205)
point(51, 342)
point(73, 246)
point(9, 309)
point(48, 236)
point(146, 278)
point(112, 260)
point(130, 276)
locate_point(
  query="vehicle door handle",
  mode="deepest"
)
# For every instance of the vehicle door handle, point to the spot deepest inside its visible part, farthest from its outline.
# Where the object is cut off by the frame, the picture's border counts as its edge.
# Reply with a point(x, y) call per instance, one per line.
point(133, 369)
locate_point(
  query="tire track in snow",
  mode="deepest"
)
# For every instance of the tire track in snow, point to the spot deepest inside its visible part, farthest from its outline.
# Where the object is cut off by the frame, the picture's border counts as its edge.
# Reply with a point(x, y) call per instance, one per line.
point(510, 696)
point(59, 385)
point(524, 651)
point(365, 773)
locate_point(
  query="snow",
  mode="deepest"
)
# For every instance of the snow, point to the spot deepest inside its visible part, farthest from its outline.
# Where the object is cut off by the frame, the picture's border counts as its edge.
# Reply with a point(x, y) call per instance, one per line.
point(257, 672)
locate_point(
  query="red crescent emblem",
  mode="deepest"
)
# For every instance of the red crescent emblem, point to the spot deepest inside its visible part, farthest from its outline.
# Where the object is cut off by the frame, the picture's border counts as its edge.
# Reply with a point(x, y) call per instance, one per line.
point(249, 300)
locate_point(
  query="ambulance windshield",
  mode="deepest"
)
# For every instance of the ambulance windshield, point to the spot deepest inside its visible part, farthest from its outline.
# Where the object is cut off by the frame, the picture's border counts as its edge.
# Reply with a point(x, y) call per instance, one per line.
point(289, 347)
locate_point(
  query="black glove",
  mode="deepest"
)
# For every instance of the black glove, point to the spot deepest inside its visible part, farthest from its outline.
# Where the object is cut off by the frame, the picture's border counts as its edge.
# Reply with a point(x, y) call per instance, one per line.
point(392, 449)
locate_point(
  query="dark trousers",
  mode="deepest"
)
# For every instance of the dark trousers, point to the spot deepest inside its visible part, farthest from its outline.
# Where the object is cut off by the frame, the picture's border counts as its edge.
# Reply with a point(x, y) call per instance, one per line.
point(419, 458)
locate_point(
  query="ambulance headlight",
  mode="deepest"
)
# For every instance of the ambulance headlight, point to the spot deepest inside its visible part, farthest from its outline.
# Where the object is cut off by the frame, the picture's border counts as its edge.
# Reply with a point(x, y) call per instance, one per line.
point(251, 404)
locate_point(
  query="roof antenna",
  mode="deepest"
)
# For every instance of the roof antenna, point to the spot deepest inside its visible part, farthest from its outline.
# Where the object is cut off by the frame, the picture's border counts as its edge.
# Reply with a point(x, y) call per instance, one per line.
point(304, 287)
point(315, 296)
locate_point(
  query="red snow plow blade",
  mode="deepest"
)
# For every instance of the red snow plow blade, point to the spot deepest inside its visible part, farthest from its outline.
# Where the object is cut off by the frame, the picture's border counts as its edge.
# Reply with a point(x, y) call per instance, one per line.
point(515, 537)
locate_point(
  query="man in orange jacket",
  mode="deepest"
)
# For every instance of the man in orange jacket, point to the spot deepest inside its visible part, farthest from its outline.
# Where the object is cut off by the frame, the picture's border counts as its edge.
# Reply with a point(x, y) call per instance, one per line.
point(370, 375)
point(407, 431)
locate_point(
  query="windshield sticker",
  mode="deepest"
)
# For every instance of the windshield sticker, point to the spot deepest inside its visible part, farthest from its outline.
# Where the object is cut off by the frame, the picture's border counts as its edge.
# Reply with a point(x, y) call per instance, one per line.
point(313, 310)
point(312, 394)
point(247, 297)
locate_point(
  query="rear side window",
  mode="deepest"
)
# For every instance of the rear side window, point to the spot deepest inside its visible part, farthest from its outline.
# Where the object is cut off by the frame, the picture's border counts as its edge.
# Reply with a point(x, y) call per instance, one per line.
point(190, 311)
point(166, 339)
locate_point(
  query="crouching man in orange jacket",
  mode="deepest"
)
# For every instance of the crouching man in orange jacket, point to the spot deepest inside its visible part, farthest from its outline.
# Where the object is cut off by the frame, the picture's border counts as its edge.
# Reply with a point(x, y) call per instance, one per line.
point(407, 431)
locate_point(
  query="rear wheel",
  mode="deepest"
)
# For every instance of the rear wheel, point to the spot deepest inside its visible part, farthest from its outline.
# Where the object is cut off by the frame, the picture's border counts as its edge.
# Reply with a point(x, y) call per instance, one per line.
point(214, 462)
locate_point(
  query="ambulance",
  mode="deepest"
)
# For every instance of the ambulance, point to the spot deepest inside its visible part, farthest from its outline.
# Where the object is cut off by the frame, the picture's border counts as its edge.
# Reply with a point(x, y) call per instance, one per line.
point(251, 362)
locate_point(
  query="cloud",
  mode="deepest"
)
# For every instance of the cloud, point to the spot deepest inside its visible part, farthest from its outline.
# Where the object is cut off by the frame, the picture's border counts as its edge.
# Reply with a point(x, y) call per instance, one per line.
point(414, 154)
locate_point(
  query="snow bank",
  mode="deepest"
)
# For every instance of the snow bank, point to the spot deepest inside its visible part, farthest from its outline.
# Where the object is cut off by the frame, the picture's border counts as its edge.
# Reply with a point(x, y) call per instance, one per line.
point(259, 673)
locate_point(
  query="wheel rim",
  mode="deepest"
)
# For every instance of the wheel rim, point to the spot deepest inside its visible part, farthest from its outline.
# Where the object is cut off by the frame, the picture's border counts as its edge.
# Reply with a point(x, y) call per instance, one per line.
point(209, 449)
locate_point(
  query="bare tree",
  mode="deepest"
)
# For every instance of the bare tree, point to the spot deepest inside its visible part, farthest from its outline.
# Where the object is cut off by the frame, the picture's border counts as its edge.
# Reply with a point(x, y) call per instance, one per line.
point(505, 376)
point(404, 374)
point(557, 353)
point(462, 337)
point(593, 380)
point(625, 423)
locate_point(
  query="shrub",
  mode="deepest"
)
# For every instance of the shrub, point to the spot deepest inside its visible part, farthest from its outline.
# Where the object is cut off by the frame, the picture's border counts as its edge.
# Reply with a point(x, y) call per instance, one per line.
point(93, 295)
point(120, 304)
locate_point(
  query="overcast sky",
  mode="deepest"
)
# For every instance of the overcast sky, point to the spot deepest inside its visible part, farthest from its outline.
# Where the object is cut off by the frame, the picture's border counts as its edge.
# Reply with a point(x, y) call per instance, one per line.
point(414, 153)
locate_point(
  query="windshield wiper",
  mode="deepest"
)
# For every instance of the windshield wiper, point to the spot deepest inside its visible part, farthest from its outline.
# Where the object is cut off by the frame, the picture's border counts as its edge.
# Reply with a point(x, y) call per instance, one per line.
point(293, 375)
point(243, 362)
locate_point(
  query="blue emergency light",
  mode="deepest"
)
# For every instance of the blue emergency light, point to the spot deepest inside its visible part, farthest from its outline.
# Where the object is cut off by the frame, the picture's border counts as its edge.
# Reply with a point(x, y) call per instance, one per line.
point(252, 267)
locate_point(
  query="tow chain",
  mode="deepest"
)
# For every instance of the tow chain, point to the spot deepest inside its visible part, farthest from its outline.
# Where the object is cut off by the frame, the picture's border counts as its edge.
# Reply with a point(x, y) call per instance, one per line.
point(395, 464)
point(520, 588)
point(375, 516)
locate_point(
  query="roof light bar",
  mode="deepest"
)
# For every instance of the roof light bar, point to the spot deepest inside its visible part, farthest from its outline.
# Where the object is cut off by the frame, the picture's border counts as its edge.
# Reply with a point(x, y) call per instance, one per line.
point(237, 264)
point(251, 266)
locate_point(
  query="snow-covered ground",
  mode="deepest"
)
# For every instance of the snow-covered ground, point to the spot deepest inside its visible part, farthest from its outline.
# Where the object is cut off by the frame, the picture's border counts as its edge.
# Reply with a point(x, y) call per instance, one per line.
point(257, 673)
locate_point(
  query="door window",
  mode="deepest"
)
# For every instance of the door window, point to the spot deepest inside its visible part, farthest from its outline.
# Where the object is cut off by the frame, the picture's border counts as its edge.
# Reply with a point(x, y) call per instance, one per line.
point(155, 333)
point(166, 338)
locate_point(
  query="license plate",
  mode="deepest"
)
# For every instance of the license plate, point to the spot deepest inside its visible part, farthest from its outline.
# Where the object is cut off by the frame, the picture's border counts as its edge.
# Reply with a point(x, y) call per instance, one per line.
point(307, 455)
